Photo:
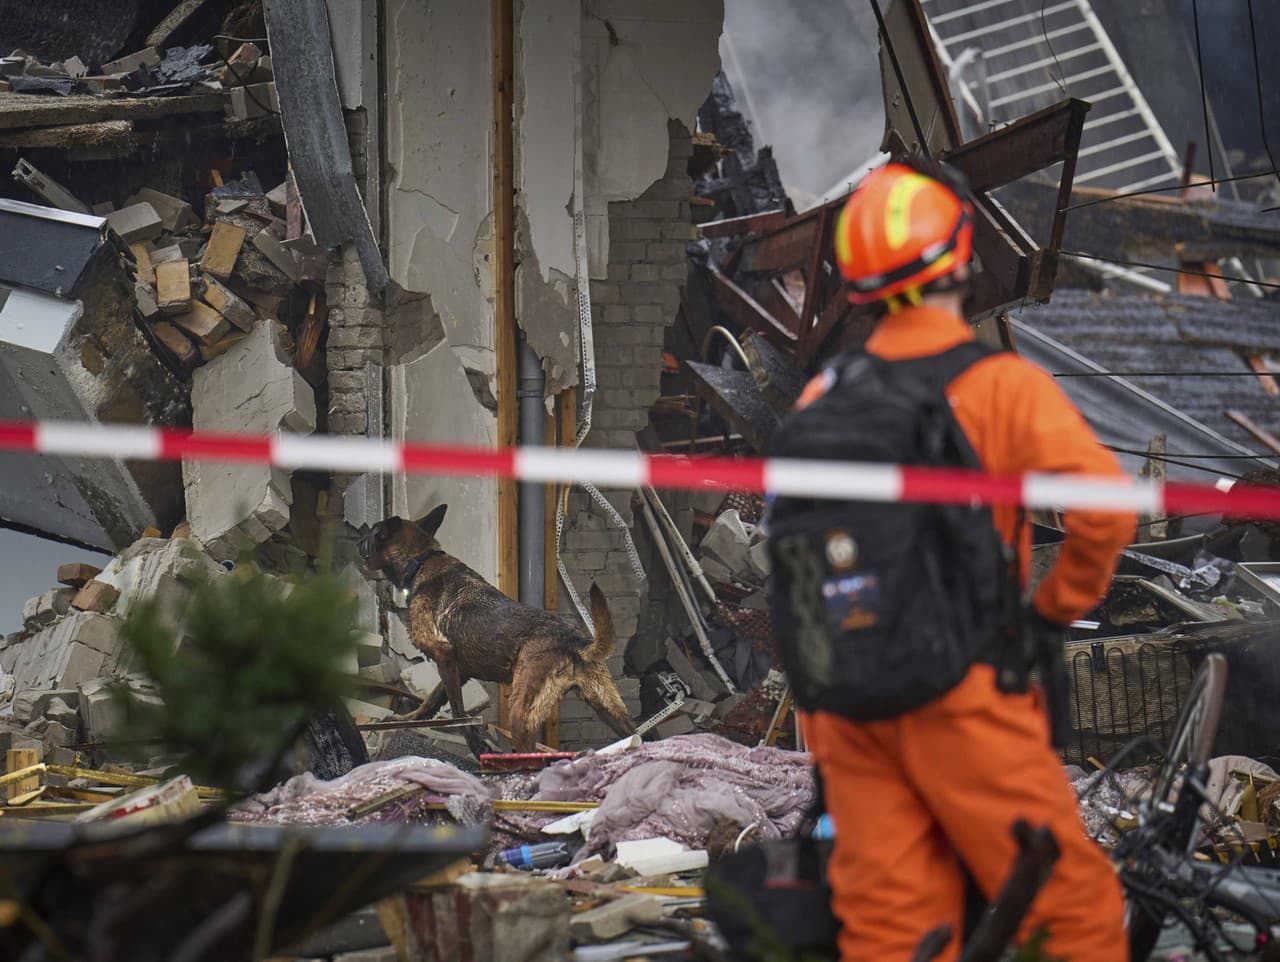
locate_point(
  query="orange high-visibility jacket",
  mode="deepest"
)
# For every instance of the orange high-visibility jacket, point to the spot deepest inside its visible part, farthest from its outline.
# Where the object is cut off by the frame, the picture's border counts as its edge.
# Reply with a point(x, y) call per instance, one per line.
point(1018, 420)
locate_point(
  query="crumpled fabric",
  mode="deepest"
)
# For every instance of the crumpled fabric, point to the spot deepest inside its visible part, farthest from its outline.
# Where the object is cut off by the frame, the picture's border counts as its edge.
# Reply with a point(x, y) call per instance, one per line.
point(680, 788)
point(307, 800)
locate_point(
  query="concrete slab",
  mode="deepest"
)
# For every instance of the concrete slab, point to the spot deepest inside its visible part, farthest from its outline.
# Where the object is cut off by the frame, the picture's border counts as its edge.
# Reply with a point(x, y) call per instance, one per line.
point(253, 388)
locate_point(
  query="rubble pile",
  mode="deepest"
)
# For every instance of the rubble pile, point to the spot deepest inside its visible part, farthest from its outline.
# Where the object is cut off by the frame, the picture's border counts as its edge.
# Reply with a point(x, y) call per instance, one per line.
point(54, 691)
point(732, 567)
point(245, 76)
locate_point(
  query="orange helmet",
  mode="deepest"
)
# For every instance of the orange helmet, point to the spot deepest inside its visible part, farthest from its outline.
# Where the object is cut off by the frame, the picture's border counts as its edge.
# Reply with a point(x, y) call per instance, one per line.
point(900, 230)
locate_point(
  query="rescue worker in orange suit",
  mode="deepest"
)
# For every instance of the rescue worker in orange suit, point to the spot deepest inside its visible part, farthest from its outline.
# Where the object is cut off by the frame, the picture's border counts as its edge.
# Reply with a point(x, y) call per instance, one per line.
point(921, 797)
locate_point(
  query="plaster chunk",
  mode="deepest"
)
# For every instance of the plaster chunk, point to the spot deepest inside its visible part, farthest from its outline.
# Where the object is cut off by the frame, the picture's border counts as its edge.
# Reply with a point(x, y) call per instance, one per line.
point(251, 388)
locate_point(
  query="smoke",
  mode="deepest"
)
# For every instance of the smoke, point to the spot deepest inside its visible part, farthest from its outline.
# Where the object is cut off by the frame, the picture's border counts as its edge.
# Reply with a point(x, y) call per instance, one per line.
point(807, 77)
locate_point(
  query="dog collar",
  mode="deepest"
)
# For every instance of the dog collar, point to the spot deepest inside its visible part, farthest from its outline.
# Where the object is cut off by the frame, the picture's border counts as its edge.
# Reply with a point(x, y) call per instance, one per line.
point(413, 567)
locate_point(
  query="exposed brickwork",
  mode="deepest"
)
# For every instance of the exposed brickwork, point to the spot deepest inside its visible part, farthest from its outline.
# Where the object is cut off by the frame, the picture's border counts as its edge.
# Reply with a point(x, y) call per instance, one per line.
point(631, 310)
point(355, 339)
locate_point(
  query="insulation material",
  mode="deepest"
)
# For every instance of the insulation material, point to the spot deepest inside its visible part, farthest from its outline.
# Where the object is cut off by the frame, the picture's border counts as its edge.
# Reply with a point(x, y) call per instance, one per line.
point(306, 800)
point(680, 788)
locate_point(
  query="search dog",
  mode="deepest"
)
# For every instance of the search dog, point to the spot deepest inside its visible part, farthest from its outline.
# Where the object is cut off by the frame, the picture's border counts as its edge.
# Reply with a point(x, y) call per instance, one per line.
point(472, 630)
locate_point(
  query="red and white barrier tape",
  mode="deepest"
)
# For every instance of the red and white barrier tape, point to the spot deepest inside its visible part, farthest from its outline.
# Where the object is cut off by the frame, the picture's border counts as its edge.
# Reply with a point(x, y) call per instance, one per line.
point(629, 469)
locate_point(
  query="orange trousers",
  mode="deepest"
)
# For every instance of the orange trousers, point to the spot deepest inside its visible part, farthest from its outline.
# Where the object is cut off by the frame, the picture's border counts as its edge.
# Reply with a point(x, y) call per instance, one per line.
point(914, 796)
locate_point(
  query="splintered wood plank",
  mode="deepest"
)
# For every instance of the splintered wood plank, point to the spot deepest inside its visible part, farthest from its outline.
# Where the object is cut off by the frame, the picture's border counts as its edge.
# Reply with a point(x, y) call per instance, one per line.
point(146, 271)
point(17, 759)
point(25, 110)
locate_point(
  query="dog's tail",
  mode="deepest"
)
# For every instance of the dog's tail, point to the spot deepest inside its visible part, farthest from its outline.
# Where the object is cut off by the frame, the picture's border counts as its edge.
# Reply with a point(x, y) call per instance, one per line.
point(602, 644)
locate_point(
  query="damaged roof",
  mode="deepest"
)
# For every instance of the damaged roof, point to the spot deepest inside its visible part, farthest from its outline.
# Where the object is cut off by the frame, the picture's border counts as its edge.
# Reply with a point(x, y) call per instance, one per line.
point(1188, 352)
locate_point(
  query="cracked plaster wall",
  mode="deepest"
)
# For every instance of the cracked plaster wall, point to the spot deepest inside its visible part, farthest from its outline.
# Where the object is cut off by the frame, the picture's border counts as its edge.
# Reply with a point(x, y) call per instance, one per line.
point(438, 174)
point(610, 73)
point(439, 128)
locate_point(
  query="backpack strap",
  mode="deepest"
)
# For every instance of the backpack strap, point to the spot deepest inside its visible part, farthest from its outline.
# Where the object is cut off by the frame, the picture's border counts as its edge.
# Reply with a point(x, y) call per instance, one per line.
point(943, 368)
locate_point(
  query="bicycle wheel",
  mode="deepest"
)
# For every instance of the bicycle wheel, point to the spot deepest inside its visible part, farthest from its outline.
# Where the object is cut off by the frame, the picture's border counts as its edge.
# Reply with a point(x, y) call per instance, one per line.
point(1194, 734)
point(1170, 815)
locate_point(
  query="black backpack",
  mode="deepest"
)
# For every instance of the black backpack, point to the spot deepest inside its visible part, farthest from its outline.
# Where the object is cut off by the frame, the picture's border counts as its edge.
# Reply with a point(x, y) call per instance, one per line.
point(881, 608)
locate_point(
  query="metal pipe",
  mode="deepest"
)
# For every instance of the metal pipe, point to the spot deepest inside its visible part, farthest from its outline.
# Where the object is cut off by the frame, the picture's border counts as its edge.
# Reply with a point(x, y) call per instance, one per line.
point(686, 555)
point(532, 504)
point(732, 341)
point(686, 597)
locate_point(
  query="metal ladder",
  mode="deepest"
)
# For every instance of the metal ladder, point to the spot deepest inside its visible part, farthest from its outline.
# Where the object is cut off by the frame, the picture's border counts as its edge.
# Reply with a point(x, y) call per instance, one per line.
point(1123, 146)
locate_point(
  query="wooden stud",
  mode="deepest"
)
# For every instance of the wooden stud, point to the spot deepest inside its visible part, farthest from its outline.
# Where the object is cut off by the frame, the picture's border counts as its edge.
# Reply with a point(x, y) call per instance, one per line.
point(312, 328)
point(17, 759)
point(502, 17)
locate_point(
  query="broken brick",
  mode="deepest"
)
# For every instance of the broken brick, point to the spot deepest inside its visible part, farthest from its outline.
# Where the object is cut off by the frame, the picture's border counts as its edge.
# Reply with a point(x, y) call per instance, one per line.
point(103, 83)
point(128, 64)
point(203, 323)
point(95, 596)
point(614, 918)
point(209, 351)
point(224, 248)
point(175, 213)
point(277, 253)
point(77, 574)
point(234, 308)
point(173, 287)
point(144, 296)
point(170, 252)
point(138, 222)
point(176, 342)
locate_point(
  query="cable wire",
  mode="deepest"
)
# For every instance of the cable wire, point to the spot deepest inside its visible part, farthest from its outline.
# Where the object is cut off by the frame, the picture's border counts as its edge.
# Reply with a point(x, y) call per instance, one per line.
point(1171, 270)
point(1257, 80)
point(1204, 457)
point(1165, 374)
point(1204, 93)
point(1061, 79)
point(902, 81)
point(1163, 190)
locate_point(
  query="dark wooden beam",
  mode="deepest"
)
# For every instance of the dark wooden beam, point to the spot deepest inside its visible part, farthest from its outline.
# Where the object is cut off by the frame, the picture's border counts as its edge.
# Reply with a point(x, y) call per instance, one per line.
point(1025, 146)
point(747, 312)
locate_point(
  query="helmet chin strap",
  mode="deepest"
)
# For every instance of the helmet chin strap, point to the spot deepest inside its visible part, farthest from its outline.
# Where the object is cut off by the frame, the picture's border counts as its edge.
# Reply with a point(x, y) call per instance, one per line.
point(911, 297)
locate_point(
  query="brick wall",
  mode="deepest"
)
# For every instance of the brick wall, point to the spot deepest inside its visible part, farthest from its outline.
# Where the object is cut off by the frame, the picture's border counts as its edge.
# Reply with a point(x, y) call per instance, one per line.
point(631, 310)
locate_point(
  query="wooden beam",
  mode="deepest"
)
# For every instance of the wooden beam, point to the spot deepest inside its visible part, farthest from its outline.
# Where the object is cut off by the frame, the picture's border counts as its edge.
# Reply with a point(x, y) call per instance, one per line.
point(814, 279)
point(769, 220)
point(503, 24)
point(746, 311)
point(175, 21)
point(1025, 146)
point(20, 760)
point(25, 110)
point(1257, 430)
